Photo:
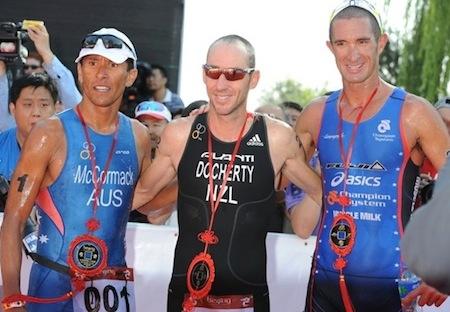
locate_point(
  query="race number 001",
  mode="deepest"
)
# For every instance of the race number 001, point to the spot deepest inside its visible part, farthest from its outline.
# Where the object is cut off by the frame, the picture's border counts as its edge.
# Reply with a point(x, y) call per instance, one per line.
point(92, 299)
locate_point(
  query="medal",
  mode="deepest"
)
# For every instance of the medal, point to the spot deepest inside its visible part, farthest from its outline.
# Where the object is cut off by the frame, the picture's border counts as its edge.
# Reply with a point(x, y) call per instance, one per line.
point(201, 273)
point(201, 270)
point(87, 255)
point(343, 229)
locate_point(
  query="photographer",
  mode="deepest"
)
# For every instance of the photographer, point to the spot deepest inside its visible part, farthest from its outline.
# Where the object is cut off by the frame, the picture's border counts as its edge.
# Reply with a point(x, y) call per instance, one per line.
point(63, 77)
point(6, 120)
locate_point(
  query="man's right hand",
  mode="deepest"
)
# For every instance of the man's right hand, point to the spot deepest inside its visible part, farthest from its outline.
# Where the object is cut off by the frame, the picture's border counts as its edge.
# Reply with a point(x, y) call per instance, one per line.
point(41, 39)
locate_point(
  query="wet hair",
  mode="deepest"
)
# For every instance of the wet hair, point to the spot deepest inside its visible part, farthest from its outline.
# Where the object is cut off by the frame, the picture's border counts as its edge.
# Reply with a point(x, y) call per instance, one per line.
point(290, 104)
point(233, 39)
point(34, 80)
point(357, 12)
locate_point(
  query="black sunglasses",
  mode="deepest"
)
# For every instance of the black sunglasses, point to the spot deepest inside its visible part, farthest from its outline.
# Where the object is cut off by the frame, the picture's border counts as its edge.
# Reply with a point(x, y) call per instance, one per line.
point(231, 74)
point(109, 41)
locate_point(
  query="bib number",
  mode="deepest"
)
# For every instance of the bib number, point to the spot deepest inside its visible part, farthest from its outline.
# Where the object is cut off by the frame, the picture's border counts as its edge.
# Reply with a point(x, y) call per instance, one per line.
point(106, 295)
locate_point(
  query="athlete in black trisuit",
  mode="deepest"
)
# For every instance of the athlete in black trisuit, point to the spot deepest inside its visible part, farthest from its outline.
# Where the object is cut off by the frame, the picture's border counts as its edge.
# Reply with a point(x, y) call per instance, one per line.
point(225, 212)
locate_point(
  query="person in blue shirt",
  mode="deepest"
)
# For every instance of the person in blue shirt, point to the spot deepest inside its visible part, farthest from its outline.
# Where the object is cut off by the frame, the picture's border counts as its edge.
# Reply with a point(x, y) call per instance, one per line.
point(33, 98)
point(157, 83)
point(68, 94)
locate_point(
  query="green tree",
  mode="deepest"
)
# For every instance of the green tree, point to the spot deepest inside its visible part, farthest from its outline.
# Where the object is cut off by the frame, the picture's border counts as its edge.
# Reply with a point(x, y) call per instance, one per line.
point(423, 50)
point(389, 59)
point(289, 90)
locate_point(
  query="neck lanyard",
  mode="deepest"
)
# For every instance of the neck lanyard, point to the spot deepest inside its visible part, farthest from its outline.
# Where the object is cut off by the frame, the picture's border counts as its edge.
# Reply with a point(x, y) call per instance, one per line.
point(93, 224)
point(201, 270)
point(88, 254)
point(214, 204)
point(346, 155)
point(343, 229)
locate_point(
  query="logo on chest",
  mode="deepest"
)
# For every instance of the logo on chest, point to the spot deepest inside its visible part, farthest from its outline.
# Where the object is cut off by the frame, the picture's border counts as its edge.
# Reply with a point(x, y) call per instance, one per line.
point(384, 133)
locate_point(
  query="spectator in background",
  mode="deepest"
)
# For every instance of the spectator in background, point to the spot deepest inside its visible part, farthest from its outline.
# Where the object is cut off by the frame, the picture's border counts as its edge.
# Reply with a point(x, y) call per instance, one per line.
point(138, 92)
point(157, 83)
point(6, 120)
point(33, 63)
point(443, 108)
point(155, 116)
point(428, 174)
point(63, 77)
point(42, 60)
point(33, 98)
point(271, 110)
point(291, 111)
point(292, 194)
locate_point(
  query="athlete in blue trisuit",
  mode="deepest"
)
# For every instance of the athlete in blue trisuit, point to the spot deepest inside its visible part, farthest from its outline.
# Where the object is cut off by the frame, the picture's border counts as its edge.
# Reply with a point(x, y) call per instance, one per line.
point(371, 138)
point(220, 257)
point(80, 167)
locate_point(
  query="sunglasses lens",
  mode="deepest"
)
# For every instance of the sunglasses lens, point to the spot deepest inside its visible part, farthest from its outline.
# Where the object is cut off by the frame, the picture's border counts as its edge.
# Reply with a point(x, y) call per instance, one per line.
point(89, 42)
point(213, 73)
point(111, 42)
point(233, 74)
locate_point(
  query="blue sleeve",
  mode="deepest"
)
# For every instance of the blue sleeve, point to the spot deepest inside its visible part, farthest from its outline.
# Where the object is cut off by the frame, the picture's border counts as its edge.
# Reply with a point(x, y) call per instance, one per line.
point(176, 103)
point(6, 120)
point(65, 83)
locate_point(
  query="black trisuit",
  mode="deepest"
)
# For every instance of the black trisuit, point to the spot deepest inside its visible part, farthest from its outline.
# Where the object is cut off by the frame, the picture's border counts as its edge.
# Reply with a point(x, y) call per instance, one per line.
point(245, 214)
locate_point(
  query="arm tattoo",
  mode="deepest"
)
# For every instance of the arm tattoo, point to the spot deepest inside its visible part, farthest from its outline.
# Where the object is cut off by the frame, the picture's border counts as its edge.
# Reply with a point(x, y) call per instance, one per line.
point(22, 181)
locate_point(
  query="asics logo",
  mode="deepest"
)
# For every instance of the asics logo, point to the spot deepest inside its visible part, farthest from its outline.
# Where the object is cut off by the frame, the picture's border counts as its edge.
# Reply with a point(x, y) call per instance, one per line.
point(355, 180)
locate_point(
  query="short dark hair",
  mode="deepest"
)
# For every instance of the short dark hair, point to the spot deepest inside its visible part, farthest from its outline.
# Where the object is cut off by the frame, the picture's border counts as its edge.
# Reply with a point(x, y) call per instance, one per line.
point(355, 12)
point(238, 39)
point(161, 69)
point(293, 105)
point(35, 80)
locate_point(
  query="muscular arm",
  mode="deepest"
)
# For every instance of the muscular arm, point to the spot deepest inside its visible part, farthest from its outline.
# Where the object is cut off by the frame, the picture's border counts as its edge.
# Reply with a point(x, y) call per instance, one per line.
point(25, 185)
point(308, 125)
point(289, 156)
point(425, 129)
point(306, 213)
point(163, 168)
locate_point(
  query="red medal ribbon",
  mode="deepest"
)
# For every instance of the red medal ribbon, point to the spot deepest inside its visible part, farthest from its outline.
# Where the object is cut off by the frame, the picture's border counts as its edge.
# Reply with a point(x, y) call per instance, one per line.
point(93, 224)
point(203, 261)
point(343, 232)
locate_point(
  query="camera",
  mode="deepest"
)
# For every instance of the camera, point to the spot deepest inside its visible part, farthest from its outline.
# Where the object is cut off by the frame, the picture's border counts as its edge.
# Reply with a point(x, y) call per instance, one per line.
point(11, 38)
